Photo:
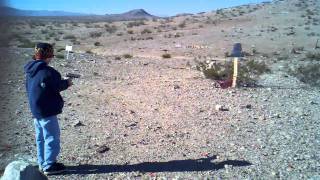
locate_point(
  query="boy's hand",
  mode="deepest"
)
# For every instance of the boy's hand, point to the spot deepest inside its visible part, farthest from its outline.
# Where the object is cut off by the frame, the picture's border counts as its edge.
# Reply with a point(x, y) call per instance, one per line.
point(70, 83)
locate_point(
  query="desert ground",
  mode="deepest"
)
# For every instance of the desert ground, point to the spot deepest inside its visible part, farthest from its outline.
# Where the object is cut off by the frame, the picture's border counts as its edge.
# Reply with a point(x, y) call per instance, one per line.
point(143, 109)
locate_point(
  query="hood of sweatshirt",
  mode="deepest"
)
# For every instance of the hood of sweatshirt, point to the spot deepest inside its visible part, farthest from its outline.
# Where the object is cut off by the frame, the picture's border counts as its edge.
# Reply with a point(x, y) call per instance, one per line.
point(33, 67)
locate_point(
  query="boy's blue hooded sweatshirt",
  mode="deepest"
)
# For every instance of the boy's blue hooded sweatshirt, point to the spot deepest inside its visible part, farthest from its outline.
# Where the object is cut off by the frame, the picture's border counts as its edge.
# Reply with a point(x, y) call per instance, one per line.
point(43, 84)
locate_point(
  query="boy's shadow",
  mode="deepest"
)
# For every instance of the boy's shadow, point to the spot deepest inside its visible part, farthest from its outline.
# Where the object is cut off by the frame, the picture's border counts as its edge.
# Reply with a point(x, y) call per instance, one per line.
point(203, 164)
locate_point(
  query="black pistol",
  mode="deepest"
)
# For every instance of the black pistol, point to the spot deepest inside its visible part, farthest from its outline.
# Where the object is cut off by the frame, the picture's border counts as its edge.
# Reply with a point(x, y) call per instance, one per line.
point(72, 75)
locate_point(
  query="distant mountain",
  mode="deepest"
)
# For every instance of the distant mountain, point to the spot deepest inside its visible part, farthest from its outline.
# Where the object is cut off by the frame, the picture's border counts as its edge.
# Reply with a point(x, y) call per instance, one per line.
point(8, 11)
point(133, 14)
point(130, 15)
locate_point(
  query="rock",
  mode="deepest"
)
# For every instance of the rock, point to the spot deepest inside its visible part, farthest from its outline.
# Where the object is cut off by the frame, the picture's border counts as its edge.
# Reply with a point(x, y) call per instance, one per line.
point(176, 86)
point(221, 108)
point(78, 123)
point(21, 170)
point(103, 149)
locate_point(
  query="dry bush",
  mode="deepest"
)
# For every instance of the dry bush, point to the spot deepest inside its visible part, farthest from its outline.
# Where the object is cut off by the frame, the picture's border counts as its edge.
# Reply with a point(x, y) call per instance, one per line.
point(146, 31)
point(69, 36)
point(166, 56)
point(111, 29)
point(59, 56)
point(248, 73)
point(135, 23)
point(97, 44)
point(308, 74)
point(130, 32)
point(127, 56)
point(182, 24)
point(313, 56)
point(95, 34)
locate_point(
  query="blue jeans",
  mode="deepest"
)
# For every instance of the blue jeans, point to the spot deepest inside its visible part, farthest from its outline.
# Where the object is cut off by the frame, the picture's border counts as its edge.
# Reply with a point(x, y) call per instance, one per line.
point(47, 140)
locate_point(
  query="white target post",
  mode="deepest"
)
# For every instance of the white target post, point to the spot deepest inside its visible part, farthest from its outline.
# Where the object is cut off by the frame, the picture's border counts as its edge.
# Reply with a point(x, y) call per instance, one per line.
point(68, 49)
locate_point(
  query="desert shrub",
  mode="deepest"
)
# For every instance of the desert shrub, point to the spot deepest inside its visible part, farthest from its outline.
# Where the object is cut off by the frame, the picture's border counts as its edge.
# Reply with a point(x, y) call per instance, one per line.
point(60, 49)
point(174, 28)
point(69, 36)
point(97, 44)
point(127, 56)
point(182, 24)
point(59, 56)
point(135, 23)
point(146, 31)
point(117, 58)
point(74, 23)
point(95, 34)
point(119, 34)
point(248, 71)
point(130, 31)
point(308, 74)
point(44, 31)
point(313, 55)
point(26, 43)
point(166, 55)
point(89, 52)
point(111, 29)
point(51, 34)
point(149, 38)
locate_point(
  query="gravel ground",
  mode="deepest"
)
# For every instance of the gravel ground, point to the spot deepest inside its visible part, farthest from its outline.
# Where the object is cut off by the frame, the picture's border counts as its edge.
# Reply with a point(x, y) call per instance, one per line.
point(145, 118)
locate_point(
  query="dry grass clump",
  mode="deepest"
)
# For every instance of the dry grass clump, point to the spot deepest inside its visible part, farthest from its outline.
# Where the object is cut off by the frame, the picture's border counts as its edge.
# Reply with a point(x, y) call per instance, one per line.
point(69, 36)
point(308, 74)
point(146, 31)
point(110, 29)
point(135, 23)
point(97, 43)
point(248, 73)
point(313, 56)
point(127, 56)
point(166, 56)
point(95, 34)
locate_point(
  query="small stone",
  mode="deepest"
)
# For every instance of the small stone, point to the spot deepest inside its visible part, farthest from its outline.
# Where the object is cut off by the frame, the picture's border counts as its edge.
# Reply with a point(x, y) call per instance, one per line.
point(78, 123)
point(221, 108)
point(103, 149)
point(176, 86)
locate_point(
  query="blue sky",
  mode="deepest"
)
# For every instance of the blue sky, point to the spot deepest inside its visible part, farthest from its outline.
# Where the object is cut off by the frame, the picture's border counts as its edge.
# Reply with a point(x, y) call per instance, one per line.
point(155, 7)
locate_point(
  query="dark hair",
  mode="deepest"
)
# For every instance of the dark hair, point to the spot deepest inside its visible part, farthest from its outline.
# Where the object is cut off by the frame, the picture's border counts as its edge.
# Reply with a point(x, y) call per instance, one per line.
point(43, 51)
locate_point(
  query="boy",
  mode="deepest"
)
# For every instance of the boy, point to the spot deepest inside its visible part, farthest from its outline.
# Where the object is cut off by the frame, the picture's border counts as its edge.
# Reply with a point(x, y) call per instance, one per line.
point(43, 85)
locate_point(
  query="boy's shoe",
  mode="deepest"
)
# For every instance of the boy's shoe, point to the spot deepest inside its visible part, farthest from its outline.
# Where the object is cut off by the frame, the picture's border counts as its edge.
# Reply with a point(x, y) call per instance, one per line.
point(55, 168)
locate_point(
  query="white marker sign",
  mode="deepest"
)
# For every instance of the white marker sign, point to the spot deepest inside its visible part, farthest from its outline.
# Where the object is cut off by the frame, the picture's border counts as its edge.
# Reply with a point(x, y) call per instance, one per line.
point(68, 49)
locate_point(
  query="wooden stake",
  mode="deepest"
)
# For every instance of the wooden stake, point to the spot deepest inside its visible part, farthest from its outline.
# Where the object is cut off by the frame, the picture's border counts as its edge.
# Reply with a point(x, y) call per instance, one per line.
point(235, 72)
